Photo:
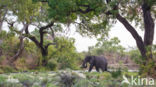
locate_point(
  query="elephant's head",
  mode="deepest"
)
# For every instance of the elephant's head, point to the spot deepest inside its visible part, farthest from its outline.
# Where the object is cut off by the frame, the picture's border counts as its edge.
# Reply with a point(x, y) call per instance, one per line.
point(86, 60)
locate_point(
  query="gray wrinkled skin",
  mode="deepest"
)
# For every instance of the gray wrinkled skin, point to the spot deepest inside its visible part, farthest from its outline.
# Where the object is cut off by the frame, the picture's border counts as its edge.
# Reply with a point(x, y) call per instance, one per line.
point(98, 62)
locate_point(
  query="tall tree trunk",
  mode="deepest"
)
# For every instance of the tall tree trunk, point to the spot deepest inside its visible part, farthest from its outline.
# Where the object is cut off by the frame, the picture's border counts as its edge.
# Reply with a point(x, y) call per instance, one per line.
point(136, 36)
point(44, 55)
point(149, 28)
point(139, 41)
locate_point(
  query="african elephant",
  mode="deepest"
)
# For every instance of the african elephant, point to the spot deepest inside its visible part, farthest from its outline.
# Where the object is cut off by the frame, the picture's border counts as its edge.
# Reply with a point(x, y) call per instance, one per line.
point(98, 62)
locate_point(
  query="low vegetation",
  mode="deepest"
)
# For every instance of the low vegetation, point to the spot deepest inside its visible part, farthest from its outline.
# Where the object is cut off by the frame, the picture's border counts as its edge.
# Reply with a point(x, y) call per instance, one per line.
point(65, 78)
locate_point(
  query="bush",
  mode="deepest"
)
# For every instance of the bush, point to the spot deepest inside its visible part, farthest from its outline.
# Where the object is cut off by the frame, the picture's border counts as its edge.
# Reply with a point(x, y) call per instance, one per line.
point(2, 79)
point(83, 83)
point(52, 64)
point(7, 69)
point(2, 58)
point(1, 71)
point(116, 74)
point(64, 53)
point(21, 64)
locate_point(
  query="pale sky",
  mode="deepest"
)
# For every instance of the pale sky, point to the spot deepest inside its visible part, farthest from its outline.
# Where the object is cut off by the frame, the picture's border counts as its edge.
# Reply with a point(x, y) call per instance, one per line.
point(118, 30)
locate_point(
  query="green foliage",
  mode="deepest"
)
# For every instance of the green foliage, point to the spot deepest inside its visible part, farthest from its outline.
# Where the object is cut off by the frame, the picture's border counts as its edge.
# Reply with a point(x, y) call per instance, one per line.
point(9, 43)
point(91, 20)
point(92, 14)
point(9, 46)
point(7, 69)
point(21, 64)
point(64, 53)
point(30, 47)
point(107, 46)
point(64, 79)
point(104, 80)
point(2, 58)
point(60, 10)
point(2, 79)
point(83, 83)
point(135, 55)
point(26, 10)
point(52, 64)
point(116, 74)
point(3, 34)
point(67, 11)
point(148, 69)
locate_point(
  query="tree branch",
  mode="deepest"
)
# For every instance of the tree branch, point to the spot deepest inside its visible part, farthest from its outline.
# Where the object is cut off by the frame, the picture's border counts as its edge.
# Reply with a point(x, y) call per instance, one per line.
point(86, 11)
point(46, 47)
point(52, 34)
point(41, 30)
point(33, 38)
point(134, 33)
point(21, 47)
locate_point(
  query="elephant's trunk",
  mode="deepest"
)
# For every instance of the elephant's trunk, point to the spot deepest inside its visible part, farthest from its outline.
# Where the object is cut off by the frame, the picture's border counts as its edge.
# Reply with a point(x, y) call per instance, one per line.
point(84, 65)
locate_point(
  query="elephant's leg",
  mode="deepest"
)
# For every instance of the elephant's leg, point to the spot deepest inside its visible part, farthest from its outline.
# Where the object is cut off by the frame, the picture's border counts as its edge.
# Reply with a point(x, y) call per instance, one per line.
point(103, 69)
point(106, 67)
point(97, 69)
point(90, 68)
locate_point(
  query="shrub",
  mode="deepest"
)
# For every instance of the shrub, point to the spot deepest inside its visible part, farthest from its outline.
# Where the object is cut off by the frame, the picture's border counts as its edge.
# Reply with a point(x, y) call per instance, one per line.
point(2, 79)
point(83, 83)
point(2, 58)
point(7, 69)
point(21, 64)
point(116, 74)
point(64, 53)
point(1, 71)
point(52, 64)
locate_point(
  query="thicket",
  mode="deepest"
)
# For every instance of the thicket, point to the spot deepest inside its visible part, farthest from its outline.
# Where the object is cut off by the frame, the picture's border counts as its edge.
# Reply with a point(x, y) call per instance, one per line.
point(60, 56)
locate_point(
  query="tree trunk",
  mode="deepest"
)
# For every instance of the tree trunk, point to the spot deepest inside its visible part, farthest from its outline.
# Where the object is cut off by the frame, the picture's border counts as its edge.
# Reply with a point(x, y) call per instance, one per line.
point(149, 29)
point(145, 47)
point(44, 55)
point(39, 44)
point(136, 36)
point(20, 50)
point(21, 47)
point(1, 23)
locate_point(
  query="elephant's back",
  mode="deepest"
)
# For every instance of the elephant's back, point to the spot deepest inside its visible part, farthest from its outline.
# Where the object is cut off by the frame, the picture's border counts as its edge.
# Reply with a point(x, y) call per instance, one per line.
point(101, 60)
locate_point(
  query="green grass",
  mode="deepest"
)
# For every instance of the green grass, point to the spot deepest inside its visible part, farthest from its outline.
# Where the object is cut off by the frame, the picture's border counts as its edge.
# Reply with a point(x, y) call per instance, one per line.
point(66, 79)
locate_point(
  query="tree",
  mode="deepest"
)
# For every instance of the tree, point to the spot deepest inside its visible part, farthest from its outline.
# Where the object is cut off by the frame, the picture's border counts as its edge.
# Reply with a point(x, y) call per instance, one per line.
point(107, 46)
point(64, 53)
point(26, 12)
